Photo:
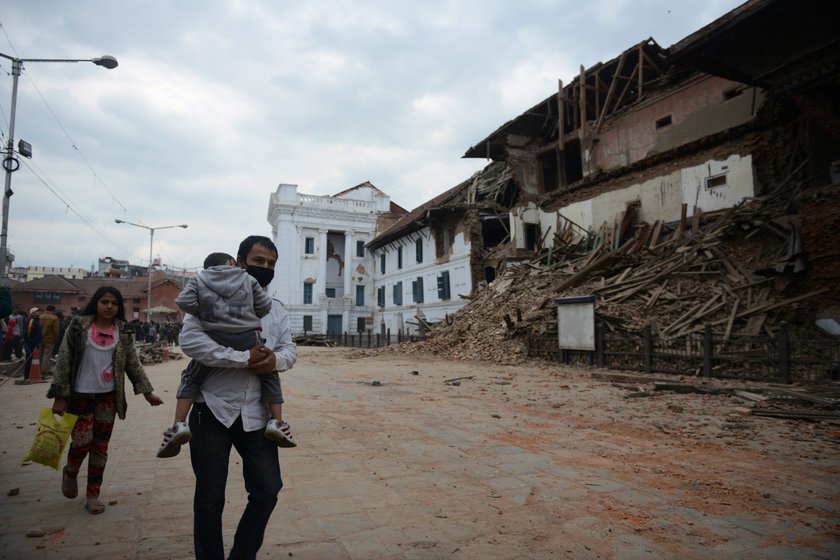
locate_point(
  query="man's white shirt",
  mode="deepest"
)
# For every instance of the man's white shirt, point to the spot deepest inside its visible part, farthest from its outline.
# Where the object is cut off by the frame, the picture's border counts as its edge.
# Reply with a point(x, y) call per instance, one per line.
point(230, 389)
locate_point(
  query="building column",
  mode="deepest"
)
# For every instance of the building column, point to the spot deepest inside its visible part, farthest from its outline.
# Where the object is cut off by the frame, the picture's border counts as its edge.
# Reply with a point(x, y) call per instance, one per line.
point(348, 266)
point(324, 315)
point(321, 282)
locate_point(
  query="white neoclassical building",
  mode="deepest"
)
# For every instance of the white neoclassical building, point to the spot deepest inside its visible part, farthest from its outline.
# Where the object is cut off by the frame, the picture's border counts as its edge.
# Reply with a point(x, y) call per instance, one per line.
point(323, 273)
point(355, 262)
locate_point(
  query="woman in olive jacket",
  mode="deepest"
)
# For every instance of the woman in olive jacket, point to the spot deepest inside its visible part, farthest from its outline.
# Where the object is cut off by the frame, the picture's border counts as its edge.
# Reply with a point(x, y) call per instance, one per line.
point(95, 357)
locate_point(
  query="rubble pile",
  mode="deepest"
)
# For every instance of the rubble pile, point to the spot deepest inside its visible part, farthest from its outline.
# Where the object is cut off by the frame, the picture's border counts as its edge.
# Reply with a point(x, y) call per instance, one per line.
point(742, 270)
point(155, 352)
point(313, 340)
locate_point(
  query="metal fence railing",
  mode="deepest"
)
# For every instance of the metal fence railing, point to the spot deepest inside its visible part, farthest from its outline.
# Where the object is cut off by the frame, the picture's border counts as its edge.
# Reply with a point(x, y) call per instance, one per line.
point(781, 358)
point(367, 339)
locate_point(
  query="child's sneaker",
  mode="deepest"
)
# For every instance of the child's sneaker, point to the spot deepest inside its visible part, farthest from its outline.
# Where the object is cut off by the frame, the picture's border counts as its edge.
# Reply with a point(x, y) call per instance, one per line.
point(173, 439)
point(281, 433)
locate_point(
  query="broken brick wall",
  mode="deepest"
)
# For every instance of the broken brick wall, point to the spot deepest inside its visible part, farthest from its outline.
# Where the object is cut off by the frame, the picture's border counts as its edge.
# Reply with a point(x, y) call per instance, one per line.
point(467, 221)
point(705, 106)
point(819, 219)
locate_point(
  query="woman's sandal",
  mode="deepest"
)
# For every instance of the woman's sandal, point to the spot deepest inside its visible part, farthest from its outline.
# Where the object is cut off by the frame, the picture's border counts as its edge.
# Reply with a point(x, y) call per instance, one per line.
point(69, 484)
point(94, 506)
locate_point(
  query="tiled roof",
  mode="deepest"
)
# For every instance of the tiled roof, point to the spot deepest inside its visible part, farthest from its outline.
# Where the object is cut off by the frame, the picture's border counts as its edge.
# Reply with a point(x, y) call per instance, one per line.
point(128, 287)
point(49, 283)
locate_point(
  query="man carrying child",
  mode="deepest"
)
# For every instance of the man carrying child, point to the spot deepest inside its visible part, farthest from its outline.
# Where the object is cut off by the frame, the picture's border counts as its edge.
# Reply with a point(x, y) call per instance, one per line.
point(229, 412)
point(229, 304)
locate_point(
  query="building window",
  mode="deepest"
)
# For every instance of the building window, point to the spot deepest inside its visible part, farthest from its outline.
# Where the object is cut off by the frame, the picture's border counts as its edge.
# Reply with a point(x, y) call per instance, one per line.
point(443, 286)
point(307, 323)
point(309, 246)
point(380, 297)
point(419, 249)
point(663, 122)
point(382, 263)
point(329, 292)
point(360, 248)
point(361, 324)
point(46, 297)
point(716, 181)
point(360, 295)
point(399, 257)
point(417, 289)
point(307, 294)
point(398, 293)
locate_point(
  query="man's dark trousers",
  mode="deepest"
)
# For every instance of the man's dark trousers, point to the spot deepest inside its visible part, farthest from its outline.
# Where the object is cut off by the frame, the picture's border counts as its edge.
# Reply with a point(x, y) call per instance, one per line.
point(210, 453)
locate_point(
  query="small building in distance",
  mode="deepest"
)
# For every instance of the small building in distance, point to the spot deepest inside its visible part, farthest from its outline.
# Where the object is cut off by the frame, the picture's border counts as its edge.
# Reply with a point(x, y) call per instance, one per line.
point(71, 273)
point(66, 294)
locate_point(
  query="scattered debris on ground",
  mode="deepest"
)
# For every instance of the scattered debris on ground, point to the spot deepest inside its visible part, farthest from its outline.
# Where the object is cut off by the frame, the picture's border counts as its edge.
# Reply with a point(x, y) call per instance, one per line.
point(156, 352)
point(313, 340)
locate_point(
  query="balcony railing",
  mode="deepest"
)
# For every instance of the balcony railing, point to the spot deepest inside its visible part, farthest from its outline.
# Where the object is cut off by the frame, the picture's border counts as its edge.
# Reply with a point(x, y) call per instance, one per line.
point(346, 204)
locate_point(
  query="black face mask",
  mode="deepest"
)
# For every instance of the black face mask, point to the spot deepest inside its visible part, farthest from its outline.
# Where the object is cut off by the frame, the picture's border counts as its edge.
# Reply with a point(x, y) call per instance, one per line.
point(263, 275)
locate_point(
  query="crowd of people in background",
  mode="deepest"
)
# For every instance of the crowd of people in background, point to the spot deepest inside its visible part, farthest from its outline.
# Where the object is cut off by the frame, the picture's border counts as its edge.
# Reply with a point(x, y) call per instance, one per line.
point(42, 329)
point(166, 332)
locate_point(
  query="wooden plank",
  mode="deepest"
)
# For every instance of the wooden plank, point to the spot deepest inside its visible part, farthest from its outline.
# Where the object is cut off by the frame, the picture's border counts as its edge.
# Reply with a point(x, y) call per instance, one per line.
point(605, 109)
point(624, 274)
point(656, 294)
point(641, 66)
point(805, 414)
point(751, 397)
point(689, 327)
point(583, 273)
point(696, 214)
point(678, 235)
point(561, 126)
point(807, 397)
point(706, 307)
point(662, 274)
point(583, 116)
point(754, 325)
point(731, 320)
point(682, 317)
point(644, 237)
point(626, 88)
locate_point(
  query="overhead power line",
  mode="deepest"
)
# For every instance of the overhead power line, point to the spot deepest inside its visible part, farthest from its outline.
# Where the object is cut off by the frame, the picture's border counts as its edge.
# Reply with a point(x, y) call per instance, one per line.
point(96, 176)
point(70, 207)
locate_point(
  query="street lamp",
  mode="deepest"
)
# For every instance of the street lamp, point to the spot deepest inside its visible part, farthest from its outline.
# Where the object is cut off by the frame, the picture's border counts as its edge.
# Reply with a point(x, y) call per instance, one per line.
point(10, 162)
point(151, 242)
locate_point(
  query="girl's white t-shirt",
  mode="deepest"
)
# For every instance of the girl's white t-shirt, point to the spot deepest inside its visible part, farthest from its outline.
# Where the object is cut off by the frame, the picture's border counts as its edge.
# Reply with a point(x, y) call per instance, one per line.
point(96, 370)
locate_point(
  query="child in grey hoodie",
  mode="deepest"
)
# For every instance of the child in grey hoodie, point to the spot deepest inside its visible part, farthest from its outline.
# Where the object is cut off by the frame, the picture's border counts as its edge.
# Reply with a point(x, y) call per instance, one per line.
point(229, 303)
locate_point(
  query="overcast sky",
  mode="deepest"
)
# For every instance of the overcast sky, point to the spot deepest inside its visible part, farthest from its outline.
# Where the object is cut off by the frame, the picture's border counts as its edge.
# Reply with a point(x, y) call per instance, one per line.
point(215, 103)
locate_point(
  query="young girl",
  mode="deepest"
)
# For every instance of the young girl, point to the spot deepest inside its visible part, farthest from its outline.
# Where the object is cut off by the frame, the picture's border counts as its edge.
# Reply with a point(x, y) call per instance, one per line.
point(96, 355)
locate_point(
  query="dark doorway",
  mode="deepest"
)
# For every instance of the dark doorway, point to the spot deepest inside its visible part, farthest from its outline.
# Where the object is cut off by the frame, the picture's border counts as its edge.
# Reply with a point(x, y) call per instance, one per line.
point(532, 236)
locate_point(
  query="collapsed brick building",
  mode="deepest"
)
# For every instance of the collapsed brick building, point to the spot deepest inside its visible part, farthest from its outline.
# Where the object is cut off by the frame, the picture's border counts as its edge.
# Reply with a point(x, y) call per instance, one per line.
point(689, 188)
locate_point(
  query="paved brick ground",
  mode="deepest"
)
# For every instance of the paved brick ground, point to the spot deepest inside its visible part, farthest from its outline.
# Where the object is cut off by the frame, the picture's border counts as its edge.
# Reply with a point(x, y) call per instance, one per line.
point(527, 462)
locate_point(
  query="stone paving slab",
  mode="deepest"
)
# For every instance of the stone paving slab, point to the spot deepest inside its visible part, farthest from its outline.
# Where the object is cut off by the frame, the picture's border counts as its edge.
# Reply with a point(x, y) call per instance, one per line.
point(414, 469)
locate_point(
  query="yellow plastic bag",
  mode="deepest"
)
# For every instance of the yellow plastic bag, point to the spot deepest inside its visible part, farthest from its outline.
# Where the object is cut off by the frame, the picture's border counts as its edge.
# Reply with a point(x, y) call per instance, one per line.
point(50, 438)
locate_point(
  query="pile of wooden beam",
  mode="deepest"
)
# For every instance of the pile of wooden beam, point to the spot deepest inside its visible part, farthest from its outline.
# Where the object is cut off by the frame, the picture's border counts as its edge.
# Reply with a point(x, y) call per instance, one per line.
point(732, 269)
point(156, 352)
point(313, 340)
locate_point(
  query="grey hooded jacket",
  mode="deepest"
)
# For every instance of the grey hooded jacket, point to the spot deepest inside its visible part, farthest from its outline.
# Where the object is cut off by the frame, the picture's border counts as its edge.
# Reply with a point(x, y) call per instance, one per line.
point(225, 298)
